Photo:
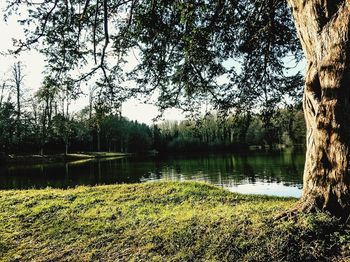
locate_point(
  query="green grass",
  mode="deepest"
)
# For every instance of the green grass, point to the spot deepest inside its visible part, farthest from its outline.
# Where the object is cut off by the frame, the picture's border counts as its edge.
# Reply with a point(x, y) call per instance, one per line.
point(161, 222)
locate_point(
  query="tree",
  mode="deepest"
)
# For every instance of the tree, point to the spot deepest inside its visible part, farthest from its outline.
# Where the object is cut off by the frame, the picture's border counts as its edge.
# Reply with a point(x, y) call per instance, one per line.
point(45, 97)
point(187, 46)
point(17, 83)
point(2, 92)
point(7, 125)
point(62, 128)
point(17, 79)
point(69, 92)
point(323, 28)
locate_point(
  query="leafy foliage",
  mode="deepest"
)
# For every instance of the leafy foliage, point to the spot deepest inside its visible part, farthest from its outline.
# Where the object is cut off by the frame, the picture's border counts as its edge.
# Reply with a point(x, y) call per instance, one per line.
point(287, 128)
point(232, 54)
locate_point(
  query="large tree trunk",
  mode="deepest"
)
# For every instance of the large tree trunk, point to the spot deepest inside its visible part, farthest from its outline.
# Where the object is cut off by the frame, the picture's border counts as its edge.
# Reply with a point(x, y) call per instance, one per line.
point(323, 28)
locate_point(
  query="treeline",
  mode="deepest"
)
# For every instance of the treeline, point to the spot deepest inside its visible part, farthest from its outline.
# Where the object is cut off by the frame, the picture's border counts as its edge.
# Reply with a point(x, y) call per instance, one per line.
point(43, 123)
point(286, 128)
point(47, 130)
point(81, 132)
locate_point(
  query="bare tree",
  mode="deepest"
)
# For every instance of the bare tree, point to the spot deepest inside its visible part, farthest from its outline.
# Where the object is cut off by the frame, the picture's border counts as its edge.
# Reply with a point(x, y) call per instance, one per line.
point(17, 77)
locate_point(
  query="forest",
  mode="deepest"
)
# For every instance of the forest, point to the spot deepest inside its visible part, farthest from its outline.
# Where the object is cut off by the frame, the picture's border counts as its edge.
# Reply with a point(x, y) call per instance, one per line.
point(43, 123)
point(44, 120)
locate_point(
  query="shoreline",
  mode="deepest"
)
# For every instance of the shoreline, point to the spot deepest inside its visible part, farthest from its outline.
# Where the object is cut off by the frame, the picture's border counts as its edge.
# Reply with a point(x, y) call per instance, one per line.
point(57, 158)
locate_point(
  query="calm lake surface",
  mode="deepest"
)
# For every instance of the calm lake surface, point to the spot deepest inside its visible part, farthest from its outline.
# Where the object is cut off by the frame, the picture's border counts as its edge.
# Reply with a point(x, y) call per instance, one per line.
point(277, 174)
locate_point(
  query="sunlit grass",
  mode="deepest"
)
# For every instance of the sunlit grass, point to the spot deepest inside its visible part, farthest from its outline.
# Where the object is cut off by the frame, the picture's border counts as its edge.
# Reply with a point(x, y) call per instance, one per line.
point(163, 222)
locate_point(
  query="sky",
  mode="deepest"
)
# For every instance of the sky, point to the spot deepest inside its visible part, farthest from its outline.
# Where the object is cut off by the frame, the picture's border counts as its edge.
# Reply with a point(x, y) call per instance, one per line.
point(34, 63)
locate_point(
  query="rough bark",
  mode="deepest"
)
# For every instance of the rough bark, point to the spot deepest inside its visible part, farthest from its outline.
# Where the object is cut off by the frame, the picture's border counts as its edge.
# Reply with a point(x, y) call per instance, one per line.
point(323, 28)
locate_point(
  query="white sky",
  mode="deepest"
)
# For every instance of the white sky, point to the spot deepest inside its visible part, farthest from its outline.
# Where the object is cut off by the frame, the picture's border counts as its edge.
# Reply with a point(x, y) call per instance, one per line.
point(34, 66)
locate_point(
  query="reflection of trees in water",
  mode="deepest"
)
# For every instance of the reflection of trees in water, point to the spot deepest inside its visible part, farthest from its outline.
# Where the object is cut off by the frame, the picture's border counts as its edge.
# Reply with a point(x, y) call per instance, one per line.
point(177, 169)
point(248, 170)
point(275, 168)
point(223, 169)
point(217, 169)
point(67, 172)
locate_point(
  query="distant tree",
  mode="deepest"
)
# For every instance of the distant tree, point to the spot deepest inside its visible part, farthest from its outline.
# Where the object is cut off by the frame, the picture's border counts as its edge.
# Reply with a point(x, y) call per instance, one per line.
point(139, 138)
point(158, 140)
point(63, 130)
point(290, 124)
point(45, 96)
point(100, 112)
point(255, 132)
point(2, 94)
point(16, 80)
point(82, 130)
point(116, 132)
point(7, 125)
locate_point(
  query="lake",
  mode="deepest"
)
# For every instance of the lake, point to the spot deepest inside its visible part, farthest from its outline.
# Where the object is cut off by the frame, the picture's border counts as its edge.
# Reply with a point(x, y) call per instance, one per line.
point(278, 174)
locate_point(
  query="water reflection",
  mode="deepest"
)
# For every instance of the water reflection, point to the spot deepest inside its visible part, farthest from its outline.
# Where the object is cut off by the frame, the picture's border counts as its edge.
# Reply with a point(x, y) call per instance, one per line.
point(274, 174)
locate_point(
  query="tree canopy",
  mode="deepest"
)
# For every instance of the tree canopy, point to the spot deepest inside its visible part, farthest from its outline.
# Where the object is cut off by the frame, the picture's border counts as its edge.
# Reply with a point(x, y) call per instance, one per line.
point(232, 54)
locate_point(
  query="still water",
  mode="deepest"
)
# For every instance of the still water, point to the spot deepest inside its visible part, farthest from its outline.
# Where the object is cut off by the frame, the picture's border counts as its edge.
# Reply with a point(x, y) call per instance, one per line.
point(277, 174)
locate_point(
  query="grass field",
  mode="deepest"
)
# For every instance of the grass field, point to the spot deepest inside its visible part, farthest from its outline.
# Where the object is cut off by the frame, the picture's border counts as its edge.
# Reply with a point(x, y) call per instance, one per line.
point(170, 221)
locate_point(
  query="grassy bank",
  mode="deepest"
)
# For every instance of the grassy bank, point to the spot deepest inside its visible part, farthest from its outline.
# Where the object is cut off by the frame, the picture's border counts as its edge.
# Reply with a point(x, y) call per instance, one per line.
point(161, 222)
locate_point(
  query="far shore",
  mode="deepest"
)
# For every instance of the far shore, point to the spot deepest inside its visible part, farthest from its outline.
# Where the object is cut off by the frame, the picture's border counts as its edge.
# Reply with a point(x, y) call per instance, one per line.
point(35, 159)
